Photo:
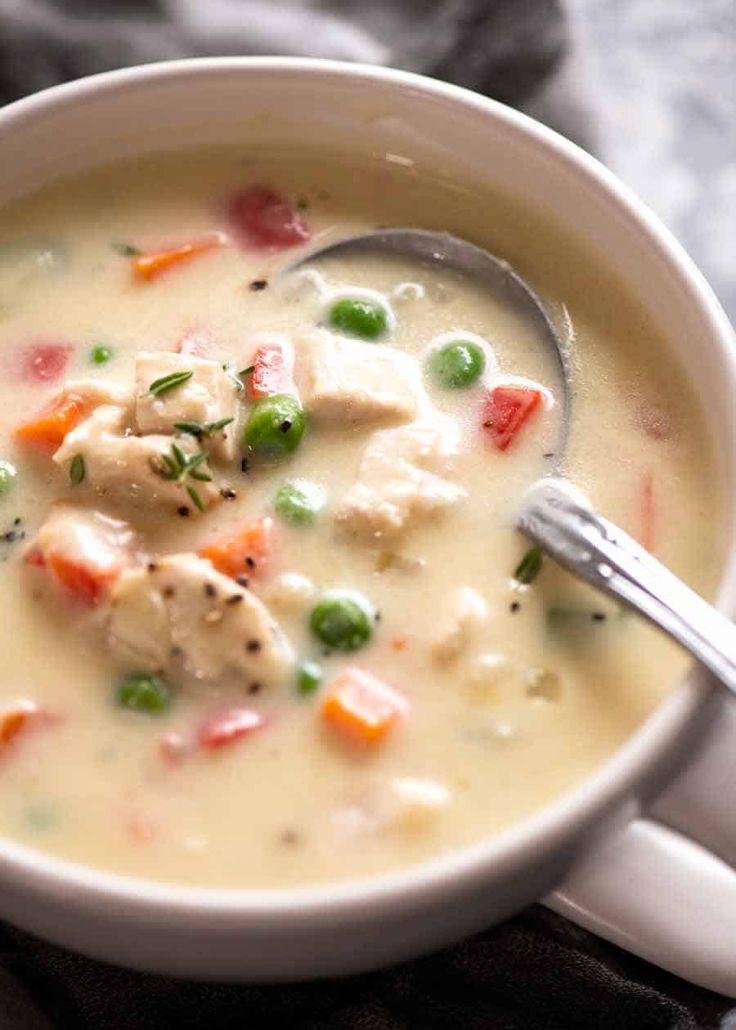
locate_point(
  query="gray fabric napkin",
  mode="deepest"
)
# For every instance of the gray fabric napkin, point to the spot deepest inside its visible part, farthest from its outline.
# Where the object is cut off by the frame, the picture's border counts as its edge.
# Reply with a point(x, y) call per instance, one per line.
point(536, 971)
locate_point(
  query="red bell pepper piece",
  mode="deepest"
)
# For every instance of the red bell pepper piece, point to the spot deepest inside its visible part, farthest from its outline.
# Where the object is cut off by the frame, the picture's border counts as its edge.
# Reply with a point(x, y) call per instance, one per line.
point(197, 343)
point(228, 726)
point(245, 552)
point(45, 362)
point(273, 369)
point(505, 411)
point(263, 219)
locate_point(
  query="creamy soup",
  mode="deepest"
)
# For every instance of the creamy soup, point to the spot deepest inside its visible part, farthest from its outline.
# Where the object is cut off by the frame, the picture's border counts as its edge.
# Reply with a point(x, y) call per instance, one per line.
point(266, 619)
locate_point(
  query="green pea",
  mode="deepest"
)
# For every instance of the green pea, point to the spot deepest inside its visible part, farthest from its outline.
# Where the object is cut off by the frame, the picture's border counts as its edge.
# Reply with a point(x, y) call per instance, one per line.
point(359, 316)
point(298, 502)
point(143, 693)
point(100, 355)
point(8, 475)
point(308, 678)
point(275, 426)
point(457, 364)
point(342, 622)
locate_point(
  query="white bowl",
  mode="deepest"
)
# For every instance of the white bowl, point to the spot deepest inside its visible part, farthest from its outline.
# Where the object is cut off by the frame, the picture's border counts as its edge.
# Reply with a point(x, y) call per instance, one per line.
point(620, 875)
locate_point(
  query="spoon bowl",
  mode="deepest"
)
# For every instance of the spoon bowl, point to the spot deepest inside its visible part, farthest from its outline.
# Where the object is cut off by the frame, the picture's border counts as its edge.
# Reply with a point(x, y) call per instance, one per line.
point(493, 274)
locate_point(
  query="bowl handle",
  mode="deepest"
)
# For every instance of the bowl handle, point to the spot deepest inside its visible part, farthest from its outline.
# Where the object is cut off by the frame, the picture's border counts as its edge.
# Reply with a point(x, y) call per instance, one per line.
point(666, 889)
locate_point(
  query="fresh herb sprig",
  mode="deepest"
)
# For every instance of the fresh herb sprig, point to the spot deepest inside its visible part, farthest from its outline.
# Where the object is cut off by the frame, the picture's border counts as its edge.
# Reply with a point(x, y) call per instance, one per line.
point(77, 469)
point(125, 249)
point(233, 376)
point(180, 468)
point(201, 430)
point(168, 382)
point(529, 567)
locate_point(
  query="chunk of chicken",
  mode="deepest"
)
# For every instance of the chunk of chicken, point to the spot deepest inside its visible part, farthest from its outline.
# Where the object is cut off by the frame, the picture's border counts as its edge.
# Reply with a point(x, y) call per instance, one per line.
point(467, 611)
point(290, 592)
point(351, 383)
point(95, 392)
point(130, 469)
point(416, 804)
point(398, 480)
point(83, 551)
point(209, 396)
point(178, 613)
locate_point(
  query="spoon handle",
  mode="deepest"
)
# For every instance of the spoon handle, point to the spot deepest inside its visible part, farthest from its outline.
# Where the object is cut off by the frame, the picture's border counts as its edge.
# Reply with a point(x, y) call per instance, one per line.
point(559, 519)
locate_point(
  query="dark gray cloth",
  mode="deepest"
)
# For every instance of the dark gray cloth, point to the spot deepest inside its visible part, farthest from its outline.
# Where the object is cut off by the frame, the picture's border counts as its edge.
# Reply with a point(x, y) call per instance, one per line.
point(535, 972)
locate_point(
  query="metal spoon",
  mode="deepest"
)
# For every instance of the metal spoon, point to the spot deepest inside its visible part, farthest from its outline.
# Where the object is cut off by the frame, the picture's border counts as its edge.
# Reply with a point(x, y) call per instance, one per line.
point(553, 513)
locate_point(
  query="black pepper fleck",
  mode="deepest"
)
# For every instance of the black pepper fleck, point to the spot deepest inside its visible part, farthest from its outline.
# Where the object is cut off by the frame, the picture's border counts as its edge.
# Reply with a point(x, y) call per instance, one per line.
point(598, 616)
point(168, 591)
point(242, 581)
point(176, 651)
point(290, 838)
point(254, 687)
point(514, 606)
point(210, 590)
point(228, 493)
point(250, 562)
point(183, 511)
point(258, 284)
point(17, 520)
point(253, 645)
point(377, 616)
point(548, 454)
point(285, 426)
point(234, 599)
point(244, 465)
point(152, 566)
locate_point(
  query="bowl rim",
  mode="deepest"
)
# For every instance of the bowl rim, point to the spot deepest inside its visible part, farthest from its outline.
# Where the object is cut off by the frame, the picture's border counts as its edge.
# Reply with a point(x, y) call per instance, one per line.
point(609, 783)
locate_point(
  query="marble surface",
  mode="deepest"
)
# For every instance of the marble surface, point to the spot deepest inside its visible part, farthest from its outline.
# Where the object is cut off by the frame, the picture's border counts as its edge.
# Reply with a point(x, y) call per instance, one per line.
point(663, 78)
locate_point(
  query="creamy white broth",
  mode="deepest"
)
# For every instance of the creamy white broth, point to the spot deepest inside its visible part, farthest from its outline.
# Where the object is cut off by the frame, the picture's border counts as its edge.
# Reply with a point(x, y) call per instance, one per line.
point(294, 802)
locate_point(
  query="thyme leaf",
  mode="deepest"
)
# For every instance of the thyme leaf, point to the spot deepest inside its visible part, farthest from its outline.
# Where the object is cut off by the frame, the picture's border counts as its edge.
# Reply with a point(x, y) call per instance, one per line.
point(125, 249)
point(200, 430)
point(529, 567)
point(196, 499)
point(168, 382)
point(77, 469)
point(180, 467)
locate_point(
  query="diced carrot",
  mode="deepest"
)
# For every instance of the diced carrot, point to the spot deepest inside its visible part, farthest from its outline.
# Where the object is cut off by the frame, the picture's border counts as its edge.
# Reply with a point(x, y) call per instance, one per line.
point(505, 411)
point(361, 707)
point(273, 370)
point(49, 427)
point(87, 584)
point(227, 727)
point(14, 720)
point(647, 511)
point(83, 551)
point(151, 265)
point(244, 553)
point(399, 644)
